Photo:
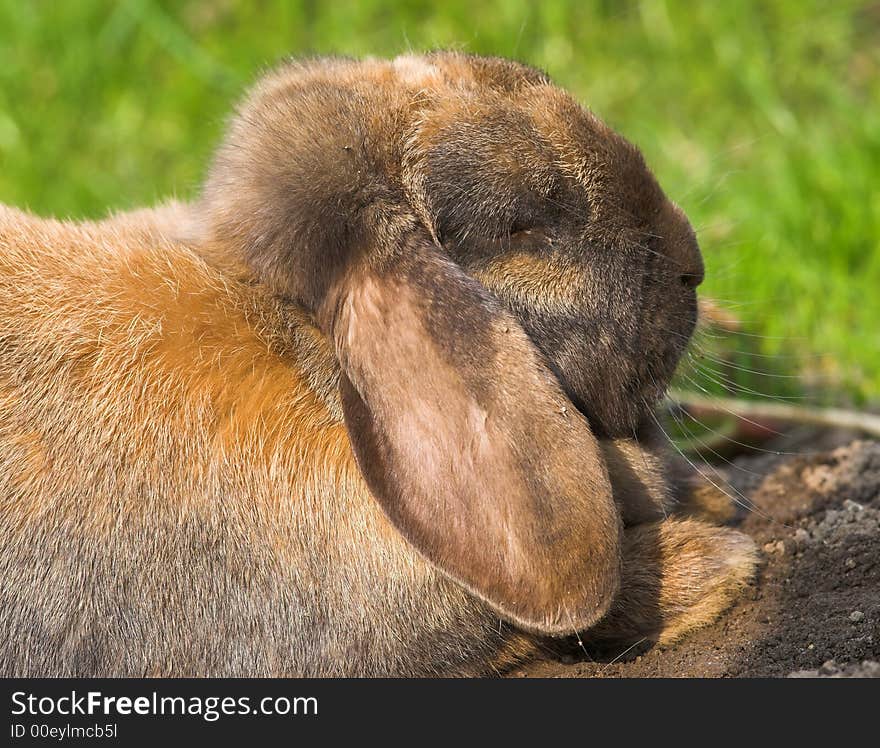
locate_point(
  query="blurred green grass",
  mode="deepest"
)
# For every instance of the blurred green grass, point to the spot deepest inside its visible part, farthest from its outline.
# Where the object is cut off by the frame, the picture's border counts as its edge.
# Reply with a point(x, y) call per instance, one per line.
point(762, 119)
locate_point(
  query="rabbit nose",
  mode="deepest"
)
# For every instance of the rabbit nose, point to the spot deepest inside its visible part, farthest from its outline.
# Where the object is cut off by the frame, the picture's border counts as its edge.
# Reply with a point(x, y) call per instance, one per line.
point(692, 279)
point(691, 267)
point(682, 247)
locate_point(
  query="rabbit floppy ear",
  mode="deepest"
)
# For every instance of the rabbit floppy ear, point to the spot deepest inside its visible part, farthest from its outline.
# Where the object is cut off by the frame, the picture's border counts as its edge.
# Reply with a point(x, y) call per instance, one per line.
point(467, 441)
point(463, 434)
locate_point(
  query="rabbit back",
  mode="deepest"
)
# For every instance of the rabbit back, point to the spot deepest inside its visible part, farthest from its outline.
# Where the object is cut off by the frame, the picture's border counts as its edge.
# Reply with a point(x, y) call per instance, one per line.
point(178, 494)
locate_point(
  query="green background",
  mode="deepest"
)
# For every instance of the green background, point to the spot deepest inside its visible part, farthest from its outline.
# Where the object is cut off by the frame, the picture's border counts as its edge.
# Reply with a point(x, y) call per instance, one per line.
point(762, 119)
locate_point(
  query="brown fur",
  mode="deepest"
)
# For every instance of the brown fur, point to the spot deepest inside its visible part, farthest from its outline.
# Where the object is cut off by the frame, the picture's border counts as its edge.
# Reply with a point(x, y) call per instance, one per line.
point(489, 276)
point(662, 598)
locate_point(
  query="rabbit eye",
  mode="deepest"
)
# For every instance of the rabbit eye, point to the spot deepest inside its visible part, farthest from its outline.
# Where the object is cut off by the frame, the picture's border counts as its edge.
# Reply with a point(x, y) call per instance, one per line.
point(539, 212)
point(521, 227)
point(527, 218)
point(534, 238)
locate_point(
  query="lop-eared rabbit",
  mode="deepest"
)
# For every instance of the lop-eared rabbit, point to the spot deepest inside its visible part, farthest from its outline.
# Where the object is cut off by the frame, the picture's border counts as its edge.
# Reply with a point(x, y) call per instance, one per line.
point(378, 402)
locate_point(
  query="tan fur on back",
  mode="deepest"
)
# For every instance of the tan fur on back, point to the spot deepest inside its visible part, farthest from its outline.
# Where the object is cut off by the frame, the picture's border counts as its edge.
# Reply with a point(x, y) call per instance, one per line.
point(168, 440)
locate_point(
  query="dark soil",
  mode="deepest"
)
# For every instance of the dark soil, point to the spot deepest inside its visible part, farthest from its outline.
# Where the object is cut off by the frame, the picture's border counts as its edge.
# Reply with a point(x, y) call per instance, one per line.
point(814, 610)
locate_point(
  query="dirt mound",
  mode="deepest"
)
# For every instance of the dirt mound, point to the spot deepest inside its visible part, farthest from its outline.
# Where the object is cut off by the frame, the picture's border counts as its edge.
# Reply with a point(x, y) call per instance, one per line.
point(814, 610)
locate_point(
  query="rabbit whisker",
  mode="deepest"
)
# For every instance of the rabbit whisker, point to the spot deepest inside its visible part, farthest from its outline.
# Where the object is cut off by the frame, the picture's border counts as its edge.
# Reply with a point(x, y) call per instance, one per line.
point(743, 501)
point(693, 437)
point(717, 367)
point(731, 386)
point(622, 654)
point(708, 354)
point(722, 407)
point(672, 404)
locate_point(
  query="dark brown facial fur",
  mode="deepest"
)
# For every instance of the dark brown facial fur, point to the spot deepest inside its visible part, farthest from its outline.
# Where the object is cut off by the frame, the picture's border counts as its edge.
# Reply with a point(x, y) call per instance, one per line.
point(531, 194)
point(343, 184)
point(561, 218)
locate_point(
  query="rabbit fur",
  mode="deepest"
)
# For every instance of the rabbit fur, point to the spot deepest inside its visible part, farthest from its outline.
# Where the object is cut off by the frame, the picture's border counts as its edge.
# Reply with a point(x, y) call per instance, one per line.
point(377, 402)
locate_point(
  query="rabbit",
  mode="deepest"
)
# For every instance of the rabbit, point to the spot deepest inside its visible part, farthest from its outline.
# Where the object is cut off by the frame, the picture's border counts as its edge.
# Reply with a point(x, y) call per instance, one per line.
point(377, 402)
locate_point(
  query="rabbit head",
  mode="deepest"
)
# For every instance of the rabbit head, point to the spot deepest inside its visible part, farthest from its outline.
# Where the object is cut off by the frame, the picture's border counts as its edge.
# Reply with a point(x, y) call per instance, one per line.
point(502, 281)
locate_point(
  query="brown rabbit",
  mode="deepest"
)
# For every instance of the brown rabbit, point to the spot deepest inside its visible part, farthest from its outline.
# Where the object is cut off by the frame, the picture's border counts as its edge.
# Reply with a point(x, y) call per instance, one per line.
point(378, 403)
